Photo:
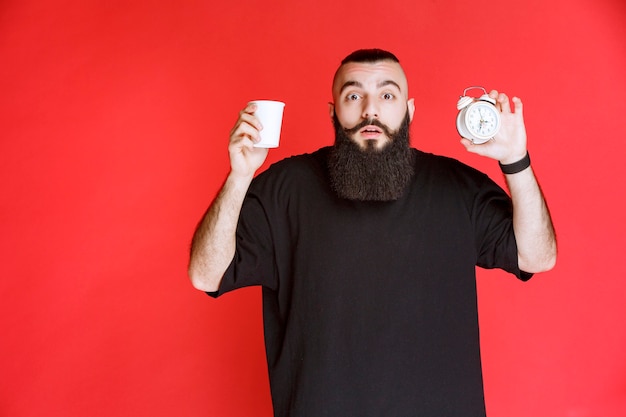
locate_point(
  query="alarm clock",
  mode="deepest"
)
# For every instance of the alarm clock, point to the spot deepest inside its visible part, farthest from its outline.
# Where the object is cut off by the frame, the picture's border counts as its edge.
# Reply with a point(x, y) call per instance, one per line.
point(478, 119)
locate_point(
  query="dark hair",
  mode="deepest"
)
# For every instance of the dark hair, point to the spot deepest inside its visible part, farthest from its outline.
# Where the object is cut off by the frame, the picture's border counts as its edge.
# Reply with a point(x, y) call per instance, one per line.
point(370, 55)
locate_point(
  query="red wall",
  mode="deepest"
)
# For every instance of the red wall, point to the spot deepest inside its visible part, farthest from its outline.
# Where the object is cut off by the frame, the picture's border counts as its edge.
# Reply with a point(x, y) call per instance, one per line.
point(114, 121)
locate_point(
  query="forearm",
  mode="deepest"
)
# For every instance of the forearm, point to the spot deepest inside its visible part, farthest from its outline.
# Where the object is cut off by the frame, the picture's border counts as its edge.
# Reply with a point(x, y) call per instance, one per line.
point(532, 224)
point(213, 244)
point(534, 234)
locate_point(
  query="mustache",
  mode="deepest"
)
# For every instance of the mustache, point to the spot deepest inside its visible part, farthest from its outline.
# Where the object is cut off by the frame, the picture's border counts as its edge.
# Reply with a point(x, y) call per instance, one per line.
point(370, 122)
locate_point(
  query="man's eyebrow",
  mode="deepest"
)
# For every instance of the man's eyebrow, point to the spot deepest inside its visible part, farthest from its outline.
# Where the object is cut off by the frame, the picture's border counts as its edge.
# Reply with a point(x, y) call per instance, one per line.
point(350, 84)
point(359, 85)
point(389, 82)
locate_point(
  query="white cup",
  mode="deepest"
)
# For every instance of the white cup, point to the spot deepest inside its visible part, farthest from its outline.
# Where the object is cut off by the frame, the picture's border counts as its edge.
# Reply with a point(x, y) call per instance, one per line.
point(270, 114)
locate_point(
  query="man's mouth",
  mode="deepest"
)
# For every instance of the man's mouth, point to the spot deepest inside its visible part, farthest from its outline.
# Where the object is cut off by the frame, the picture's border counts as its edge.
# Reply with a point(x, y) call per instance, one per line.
point(369, 128)
point(371, 131)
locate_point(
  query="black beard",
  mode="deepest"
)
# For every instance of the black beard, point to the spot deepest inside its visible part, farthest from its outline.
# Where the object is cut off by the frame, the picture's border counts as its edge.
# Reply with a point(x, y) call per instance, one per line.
point(371, 174)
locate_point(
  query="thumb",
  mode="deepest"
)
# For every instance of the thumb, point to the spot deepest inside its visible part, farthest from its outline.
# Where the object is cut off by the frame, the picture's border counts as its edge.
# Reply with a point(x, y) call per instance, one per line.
point(469, 146)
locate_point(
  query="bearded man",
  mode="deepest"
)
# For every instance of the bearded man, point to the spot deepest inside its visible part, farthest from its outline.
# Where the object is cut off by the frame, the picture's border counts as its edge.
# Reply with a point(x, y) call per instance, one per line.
point(366, 252)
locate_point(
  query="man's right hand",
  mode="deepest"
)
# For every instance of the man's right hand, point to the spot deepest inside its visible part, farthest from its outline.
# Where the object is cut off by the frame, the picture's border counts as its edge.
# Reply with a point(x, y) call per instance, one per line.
point(245, 159)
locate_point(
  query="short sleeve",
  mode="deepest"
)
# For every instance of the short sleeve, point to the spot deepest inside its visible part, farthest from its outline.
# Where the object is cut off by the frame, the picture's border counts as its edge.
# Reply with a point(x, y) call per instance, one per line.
point(254, 260)
point(495, 238)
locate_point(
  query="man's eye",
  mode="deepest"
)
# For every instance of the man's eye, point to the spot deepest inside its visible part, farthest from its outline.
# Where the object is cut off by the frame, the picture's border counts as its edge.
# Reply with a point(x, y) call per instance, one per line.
point(387, 96)
point(352, 97)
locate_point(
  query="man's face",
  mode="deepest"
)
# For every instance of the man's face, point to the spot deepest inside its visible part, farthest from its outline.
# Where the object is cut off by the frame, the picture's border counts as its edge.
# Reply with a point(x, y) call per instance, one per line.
point(366, 92)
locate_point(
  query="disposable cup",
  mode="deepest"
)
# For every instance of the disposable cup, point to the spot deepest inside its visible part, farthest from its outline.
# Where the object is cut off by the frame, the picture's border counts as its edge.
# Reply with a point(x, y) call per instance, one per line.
point(270, 114)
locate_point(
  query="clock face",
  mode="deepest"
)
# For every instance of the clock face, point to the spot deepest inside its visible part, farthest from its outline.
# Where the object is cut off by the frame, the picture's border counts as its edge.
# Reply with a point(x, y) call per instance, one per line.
point(482, 120)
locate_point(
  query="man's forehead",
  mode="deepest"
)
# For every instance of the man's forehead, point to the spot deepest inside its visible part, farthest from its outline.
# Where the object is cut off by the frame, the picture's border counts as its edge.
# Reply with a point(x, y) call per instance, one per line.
point(370, 73)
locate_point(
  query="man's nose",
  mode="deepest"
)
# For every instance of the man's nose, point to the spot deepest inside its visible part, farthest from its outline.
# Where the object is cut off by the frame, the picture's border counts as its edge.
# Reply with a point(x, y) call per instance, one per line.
point(370, 109)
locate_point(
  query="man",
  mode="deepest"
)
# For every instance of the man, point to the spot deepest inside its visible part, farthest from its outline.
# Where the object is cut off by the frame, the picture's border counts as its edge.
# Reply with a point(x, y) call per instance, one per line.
point(366, 252)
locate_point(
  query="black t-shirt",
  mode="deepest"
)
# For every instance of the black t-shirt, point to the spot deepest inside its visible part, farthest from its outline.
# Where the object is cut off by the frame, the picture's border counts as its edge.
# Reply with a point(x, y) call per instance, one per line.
point(370, 307)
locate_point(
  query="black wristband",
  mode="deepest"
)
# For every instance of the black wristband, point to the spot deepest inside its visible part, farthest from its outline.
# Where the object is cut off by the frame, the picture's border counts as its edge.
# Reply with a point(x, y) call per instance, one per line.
point(516, 167)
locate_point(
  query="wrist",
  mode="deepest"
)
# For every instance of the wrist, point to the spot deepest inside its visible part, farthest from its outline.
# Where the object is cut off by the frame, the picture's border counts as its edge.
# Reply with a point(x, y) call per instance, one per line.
point(518, 166)
point(239, 178)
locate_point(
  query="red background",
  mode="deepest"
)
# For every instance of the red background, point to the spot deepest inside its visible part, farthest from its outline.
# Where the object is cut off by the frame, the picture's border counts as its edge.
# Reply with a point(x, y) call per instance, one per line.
point(114, 122)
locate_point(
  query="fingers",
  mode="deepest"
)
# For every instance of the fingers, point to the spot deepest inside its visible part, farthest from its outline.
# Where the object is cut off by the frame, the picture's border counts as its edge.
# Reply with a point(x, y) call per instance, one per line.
point(247, 126)
point(519, 106)
point(245, 158)
point(503, 103)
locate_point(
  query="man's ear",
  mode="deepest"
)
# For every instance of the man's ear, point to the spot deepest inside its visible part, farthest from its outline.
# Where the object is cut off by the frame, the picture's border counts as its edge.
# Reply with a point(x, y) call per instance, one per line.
point(411, 108)
point(331, 110)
